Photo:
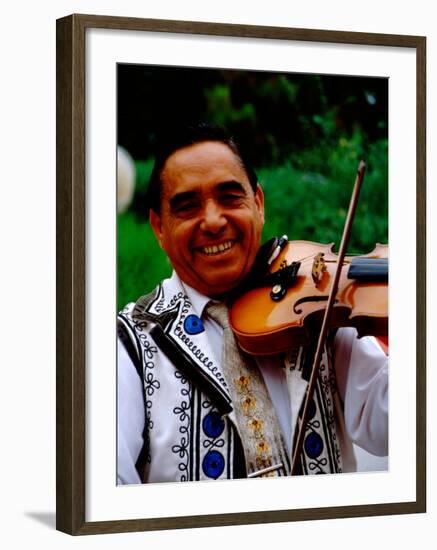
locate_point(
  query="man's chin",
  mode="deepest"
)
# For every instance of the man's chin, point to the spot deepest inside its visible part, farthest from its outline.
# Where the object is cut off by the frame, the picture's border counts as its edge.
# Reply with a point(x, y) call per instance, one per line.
point(221, 286)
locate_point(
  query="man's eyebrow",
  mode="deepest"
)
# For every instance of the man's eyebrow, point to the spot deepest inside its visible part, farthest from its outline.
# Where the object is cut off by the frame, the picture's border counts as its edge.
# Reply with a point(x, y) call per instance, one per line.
point(231, 186)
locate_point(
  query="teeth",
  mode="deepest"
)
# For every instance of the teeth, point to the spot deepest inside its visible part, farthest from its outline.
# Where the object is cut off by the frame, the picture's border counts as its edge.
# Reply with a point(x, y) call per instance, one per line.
point(217, 249)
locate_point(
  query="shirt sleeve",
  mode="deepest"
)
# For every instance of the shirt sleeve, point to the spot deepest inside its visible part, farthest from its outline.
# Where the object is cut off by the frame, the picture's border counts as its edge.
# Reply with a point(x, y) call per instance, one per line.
point(362, 376)
point(130, 418)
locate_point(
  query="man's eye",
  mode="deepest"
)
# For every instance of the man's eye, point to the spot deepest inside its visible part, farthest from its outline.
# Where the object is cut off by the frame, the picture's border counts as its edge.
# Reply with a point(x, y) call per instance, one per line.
point(185, 207)
point(232, 197)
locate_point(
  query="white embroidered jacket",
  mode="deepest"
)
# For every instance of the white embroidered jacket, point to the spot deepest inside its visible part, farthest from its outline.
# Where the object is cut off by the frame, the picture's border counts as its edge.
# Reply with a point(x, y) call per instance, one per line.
point(189, 429)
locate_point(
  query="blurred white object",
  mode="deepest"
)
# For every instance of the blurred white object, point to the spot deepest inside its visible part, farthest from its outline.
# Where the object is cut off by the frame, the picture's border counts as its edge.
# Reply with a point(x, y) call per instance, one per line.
point(125, 179)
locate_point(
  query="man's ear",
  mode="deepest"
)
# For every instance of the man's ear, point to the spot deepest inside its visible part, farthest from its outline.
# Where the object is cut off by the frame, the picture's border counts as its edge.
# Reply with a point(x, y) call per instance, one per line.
point(155, 222)
point(259, 201)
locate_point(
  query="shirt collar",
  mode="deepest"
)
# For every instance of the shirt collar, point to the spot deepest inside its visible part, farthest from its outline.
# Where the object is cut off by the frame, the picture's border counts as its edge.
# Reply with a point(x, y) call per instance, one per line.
point(198, 300)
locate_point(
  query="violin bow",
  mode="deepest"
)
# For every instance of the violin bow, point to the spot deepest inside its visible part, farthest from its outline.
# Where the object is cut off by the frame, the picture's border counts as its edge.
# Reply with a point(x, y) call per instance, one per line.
point(327, 316)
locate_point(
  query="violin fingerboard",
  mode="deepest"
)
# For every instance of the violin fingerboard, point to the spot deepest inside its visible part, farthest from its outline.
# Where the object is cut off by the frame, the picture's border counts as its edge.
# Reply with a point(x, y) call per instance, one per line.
point(368, 269)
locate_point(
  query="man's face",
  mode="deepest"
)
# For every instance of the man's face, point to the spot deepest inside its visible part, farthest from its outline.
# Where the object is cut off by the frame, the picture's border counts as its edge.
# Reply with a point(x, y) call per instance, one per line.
point(211, 220)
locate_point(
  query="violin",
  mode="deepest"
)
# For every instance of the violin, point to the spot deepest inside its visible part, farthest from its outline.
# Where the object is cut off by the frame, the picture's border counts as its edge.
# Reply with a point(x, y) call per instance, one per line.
point(288, 303)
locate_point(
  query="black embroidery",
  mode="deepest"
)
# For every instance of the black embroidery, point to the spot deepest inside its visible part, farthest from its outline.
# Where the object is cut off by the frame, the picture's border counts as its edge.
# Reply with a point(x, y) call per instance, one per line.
point(325, 392)
point(183, 412)
point(195, 350)
point(212, 442)
point(330, 388)
point(199, 354)
point(160, 299)
point(177, 297)
point(159, 305)
point(151, 384)
point(293, 358)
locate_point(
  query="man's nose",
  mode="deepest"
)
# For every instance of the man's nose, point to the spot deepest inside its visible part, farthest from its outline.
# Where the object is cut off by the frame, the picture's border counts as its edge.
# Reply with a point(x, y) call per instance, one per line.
point(213, 219)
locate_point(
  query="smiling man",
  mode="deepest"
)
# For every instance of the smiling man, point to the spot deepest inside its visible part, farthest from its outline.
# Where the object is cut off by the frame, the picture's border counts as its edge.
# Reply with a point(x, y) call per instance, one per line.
point(191, 404)
point(211, 217)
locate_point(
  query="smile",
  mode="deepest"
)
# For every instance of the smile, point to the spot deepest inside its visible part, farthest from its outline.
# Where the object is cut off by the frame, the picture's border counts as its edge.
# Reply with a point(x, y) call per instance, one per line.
point(217, 248)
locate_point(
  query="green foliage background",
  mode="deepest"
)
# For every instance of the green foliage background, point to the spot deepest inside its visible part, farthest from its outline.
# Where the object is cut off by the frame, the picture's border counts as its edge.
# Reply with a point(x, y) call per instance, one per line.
point(305, 136)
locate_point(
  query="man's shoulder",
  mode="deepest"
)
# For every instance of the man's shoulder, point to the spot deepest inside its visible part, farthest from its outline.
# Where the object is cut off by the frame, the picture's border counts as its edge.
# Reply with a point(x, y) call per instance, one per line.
point(162, 298)
point(134, 317)
point(142, 302)
point(152, 312)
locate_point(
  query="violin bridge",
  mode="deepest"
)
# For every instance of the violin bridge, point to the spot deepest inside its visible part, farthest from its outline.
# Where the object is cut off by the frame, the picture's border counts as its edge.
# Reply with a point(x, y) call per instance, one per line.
point(319, 267)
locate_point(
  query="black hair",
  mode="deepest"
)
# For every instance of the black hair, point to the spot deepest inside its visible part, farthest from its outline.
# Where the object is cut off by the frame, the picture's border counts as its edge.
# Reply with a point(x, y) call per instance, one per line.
point(184, 137)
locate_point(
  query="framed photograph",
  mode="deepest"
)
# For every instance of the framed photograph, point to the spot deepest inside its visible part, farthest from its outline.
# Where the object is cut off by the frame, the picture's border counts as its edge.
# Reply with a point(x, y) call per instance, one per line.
point(305, 106)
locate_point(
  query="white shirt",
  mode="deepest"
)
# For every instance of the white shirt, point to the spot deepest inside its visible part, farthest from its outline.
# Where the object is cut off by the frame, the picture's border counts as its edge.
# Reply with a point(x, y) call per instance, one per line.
point(362, 377)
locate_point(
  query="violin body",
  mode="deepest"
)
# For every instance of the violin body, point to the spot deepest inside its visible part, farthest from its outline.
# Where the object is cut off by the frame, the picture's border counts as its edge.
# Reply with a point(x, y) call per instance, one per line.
point(272, 319)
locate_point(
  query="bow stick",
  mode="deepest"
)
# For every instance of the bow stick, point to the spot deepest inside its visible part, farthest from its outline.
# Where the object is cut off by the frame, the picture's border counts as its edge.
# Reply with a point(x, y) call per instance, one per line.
point(327, 316)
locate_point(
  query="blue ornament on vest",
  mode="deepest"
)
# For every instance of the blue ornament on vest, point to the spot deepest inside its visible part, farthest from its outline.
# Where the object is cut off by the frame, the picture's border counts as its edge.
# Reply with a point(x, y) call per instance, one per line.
point(213, 424)
point(213, 464)
point(313, 445)
point(193, 325)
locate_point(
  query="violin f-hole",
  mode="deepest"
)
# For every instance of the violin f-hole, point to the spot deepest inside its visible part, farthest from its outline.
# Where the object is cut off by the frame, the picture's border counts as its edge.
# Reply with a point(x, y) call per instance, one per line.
point(307, 299)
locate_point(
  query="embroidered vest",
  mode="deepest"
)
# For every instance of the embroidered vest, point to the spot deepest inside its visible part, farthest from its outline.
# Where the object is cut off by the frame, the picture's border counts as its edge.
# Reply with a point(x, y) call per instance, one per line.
point(190, 431)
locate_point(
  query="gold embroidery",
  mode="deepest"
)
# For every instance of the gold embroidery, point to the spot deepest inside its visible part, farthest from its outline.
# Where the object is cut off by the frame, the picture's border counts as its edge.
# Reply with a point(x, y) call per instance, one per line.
point(257, 427)
point(242, 384)
point(263, 457)
point(262, 447)
point(248, 405)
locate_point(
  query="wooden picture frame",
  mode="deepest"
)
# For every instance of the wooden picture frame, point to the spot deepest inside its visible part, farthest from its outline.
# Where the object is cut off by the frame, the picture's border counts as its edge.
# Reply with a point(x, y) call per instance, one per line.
point(71, 272)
